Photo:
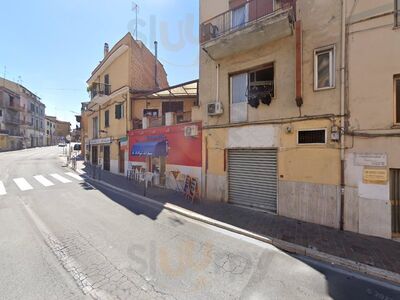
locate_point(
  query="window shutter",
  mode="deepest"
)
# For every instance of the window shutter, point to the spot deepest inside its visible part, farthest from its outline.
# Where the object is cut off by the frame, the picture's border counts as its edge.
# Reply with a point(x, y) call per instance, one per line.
point(118, 111)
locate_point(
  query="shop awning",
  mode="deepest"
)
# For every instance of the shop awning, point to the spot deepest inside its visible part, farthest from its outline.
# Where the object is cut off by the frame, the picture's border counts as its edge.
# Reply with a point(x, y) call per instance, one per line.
point(150, 149)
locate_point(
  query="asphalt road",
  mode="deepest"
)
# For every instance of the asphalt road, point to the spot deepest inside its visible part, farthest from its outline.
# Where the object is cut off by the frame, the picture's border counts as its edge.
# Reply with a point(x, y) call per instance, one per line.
point(62, 238)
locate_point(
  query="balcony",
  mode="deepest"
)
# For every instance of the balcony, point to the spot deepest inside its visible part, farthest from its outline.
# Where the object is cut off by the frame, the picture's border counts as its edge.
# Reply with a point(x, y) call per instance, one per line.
point(15, 107)
point(99, 89)
point(11, 120)
point(250, 25)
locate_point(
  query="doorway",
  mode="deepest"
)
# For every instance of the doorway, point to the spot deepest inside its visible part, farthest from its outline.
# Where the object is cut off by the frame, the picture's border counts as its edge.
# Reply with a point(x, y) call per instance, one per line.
point(106, 158)
point(121, 159)
point(94, 155)
point(395, 200)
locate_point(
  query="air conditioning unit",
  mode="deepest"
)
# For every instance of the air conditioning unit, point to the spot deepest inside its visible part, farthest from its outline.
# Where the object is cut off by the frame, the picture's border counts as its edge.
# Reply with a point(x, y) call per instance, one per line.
point(214, 109)
point(192, 130)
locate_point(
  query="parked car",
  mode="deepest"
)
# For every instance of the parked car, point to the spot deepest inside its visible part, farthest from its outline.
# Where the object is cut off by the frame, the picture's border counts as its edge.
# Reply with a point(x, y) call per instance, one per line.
point(77, 147)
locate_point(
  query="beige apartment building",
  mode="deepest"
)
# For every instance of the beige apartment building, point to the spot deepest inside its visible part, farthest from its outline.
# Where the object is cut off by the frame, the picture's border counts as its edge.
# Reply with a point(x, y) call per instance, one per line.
point(300, 107)
point(372, 174)
point(127, 69)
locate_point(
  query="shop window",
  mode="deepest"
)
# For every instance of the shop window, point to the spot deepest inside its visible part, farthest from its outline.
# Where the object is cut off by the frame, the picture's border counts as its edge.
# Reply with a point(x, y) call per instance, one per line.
point(324, 68)
point(313, 136)
point(107, 118)
point(397, 13)
point(119, 111)
point(397, 98)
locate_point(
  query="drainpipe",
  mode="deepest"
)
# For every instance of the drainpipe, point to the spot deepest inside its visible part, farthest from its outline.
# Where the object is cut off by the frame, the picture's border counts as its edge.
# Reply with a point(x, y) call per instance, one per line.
point(342, 113)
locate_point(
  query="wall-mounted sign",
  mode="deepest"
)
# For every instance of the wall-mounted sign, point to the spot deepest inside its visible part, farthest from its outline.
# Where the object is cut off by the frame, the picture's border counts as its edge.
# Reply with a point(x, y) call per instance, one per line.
point(371, 159)
point(101, 141)
point(375, 176)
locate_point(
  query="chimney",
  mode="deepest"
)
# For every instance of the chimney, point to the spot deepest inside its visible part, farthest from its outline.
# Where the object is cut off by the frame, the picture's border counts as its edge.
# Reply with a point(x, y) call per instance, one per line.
point(156, 63)
point(106, 49)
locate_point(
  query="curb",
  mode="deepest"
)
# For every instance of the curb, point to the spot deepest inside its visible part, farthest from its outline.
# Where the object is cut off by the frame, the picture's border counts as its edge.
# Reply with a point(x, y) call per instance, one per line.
point(280, 244)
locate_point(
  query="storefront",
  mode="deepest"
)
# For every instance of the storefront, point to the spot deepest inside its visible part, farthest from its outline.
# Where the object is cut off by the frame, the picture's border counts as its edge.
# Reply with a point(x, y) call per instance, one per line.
point(100, 152)
point(168, 152)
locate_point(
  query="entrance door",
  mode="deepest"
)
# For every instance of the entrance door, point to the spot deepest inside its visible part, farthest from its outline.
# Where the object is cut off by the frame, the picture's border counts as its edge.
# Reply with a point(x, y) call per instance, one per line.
point(252, 178)
point(395, 199)
point(95, 157)
point(106, 158)
point(121, 158)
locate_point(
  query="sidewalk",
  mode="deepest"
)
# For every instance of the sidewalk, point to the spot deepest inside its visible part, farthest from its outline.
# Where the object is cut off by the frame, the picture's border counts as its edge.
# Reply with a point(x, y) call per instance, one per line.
point(375, 256)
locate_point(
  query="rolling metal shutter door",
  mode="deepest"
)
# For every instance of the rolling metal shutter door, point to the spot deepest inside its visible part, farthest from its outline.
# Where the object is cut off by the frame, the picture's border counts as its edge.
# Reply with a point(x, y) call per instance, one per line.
point(252, 178)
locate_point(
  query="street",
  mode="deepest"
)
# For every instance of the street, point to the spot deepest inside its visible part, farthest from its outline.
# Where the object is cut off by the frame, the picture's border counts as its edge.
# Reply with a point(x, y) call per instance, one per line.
point(62, 237)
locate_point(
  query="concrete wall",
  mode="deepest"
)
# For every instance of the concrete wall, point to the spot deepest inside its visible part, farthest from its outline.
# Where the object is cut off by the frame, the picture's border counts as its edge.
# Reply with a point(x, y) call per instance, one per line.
point(371, 110)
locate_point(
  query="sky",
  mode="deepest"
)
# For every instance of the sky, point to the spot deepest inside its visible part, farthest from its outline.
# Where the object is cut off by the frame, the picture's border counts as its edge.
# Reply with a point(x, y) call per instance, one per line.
point(51, 46)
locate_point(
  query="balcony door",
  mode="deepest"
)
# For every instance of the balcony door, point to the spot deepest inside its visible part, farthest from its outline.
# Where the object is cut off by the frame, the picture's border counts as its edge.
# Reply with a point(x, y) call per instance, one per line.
point(239, 87)
point(240, 16)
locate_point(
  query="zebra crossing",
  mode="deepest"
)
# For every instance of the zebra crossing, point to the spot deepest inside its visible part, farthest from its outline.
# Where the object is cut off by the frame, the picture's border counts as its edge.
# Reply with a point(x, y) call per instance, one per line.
point(27, 184)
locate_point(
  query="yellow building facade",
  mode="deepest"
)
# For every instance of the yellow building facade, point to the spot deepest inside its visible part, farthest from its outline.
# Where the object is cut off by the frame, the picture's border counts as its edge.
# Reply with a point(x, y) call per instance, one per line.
point(127, 69)
point(271, 103)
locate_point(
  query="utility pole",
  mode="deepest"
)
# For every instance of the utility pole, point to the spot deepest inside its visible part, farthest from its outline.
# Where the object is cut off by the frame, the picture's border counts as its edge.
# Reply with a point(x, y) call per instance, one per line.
point(135, 8)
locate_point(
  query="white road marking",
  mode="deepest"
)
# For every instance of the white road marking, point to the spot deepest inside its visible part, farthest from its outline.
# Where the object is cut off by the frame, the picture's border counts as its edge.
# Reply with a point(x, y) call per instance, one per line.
point(60, 178)
point(81, 172)
point(2, 189)
point(43, 180)
point(73, 175)
point(22, 184)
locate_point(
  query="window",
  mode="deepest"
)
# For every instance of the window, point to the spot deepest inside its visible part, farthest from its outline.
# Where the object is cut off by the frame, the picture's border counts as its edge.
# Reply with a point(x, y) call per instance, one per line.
point(1, 113)
point(119, 111)
point(11, 100)
point(107, 88)
point(32, 107)
point(313, 136)
point(253, 88)
point(150, 112)
point(397, 98)
point(95, 127)
point(397, 13)
point(324, 68)
point(107, 118)
point(172, 106)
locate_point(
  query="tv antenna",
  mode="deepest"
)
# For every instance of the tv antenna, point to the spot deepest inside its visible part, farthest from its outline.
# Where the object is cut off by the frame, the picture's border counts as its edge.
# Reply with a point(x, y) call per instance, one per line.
point(135, 8)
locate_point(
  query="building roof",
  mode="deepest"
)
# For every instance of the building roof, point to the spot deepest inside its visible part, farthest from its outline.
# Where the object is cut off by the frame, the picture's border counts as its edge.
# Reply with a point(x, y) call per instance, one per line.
point(184, 90)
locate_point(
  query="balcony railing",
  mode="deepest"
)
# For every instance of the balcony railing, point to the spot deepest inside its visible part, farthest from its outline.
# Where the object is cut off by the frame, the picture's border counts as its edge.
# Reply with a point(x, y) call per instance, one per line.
point(12, 121)
point(15, 106)
point(184, 117)
point(99, 89)
point(242, 16)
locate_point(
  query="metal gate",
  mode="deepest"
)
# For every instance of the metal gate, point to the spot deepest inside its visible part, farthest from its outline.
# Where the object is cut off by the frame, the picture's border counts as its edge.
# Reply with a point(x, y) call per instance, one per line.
point(252, 178)
point(395, 197)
